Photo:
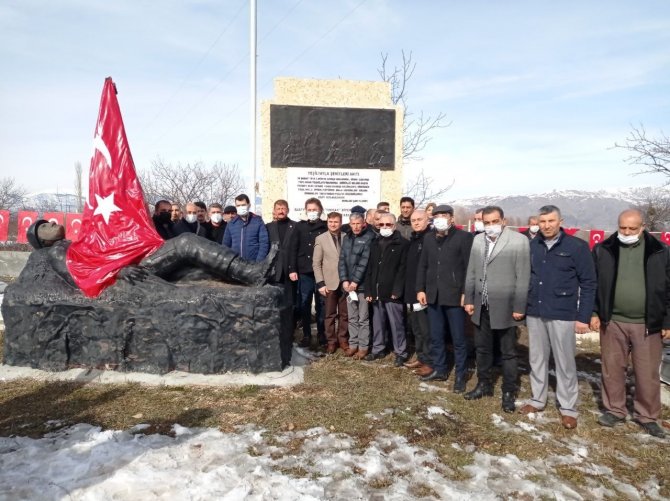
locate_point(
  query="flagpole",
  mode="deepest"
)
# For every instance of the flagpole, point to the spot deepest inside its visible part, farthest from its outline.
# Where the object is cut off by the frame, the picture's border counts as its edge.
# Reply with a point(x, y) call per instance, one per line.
point(252, 110)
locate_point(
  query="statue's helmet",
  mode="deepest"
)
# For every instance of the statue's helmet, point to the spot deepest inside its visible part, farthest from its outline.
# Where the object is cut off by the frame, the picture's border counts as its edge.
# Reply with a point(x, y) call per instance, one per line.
point(31, 234)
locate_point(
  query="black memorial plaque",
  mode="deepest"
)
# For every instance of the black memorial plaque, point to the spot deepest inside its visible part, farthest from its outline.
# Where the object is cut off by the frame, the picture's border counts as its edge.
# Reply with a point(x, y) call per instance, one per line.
point(312, 136)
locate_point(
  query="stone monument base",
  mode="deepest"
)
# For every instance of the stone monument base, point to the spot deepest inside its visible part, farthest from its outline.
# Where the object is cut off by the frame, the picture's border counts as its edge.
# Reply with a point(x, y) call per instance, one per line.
point(155, 326)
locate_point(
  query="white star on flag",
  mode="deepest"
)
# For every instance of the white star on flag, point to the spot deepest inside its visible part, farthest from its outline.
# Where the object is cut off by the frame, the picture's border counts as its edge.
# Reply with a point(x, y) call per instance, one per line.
point(105, 206)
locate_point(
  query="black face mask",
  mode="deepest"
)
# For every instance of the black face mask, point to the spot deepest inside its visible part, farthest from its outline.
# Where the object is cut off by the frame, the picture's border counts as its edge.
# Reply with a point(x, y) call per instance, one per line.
point(164, 217)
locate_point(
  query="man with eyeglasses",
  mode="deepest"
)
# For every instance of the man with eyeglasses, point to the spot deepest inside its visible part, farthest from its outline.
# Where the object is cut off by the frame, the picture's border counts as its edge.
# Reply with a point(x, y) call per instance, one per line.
point(440, 284)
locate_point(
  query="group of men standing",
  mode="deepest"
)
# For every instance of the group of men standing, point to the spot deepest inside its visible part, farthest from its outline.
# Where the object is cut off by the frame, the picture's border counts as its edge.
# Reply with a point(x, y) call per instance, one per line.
point(380, 281)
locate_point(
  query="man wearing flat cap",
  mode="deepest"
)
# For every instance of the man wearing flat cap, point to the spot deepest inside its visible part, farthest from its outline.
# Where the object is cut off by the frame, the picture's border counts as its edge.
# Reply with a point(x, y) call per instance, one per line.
point(440, 283)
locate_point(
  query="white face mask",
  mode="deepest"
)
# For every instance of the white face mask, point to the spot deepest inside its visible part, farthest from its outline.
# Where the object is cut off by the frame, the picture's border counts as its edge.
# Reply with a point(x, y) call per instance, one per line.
point(386, 232)
point(441, 224)
point(191, 218)
point(479, 226)
point(216, 218)
point(534, 228)
point(493, 230)
point(628, 239)
point(242, 210)
point(312, 215)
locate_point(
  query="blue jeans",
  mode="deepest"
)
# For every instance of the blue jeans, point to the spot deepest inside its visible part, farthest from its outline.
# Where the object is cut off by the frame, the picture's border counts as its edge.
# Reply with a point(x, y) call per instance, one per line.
point(307, 288)
point(451, 319)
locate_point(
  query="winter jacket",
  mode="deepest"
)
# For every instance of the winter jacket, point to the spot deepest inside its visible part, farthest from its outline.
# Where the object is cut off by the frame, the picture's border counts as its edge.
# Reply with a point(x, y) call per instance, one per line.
point(385, 276)
point(249, 239)
point(562, 279)
point(282, 262)
point(404, 226)
point(413, 256)
point(442, 266)
point(354, 257)
point(657, 280)
point(302, 245)
point(182, 226)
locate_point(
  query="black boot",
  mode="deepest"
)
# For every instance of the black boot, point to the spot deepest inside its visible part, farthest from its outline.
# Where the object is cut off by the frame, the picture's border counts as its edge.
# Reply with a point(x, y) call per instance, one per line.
point(508, 398)
point(481, 390)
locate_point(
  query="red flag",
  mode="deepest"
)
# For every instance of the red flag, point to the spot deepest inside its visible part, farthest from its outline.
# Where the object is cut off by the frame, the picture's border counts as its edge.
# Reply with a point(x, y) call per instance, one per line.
point(571, 231)
point(115, 230)
point(595, 237)
point(26, 218)
point(4, 225)
point(73, 226)
point(57, 217)
point(460, 226)
point(665, 237)
point(522, 229)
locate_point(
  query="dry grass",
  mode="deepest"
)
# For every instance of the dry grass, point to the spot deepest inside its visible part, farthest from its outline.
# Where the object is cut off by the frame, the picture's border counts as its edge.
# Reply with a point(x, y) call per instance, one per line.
point(359, 399)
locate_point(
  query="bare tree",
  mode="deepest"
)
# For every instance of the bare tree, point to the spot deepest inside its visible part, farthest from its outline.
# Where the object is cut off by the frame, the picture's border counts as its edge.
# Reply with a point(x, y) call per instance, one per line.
point(423, 189)
point(651, 154)
point(78, 186)
point(185, 183)
point(12, 195)
point(655, 206)
point(416, 129)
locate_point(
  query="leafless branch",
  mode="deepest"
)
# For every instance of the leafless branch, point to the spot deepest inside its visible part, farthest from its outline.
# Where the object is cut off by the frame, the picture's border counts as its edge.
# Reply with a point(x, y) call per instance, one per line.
point(652, 155)
point(12, 195)
point(416, 131)
point(655, 206)
point(424, 189)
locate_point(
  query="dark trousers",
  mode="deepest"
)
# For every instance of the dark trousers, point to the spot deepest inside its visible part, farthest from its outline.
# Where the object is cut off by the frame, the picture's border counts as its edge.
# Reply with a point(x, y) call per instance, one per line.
point(485, 341)
point(419, 323)
point(336, 321)
point(308, 292)
point(441, 319)
point(287, 321)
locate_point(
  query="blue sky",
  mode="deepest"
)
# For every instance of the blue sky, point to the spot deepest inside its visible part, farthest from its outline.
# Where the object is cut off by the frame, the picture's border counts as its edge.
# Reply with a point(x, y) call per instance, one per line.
point(537, 92)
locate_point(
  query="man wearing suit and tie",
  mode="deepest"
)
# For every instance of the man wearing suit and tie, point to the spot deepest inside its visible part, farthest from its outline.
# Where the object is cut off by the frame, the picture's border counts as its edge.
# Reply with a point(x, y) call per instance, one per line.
point(280, 231)
point(325, 262)
point(496, 291)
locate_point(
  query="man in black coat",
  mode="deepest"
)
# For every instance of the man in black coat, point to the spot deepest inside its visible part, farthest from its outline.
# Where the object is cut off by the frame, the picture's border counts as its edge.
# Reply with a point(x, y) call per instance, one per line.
point(162, 219)
point(216, 226)
point(385, 286)
point(190, 223)
point(301, 270)
point(440, 283)
point(280, 232)
point(632, 313)
point(417, 316)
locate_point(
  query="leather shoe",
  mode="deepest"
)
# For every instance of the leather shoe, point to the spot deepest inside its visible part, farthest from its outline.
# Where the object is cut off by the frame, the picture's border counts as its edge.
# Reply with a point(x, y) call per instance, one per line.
point(400, 361)
point(529, 409)
point(413, 365)
point(481, 390)
point(610, 420)
point(508, 401)
point(351, 351)
point(423, 371)
point(569, 422)
point(360, 354)
point(435, 376)
point(374, 356)
point(653, 429)
point(459, 385)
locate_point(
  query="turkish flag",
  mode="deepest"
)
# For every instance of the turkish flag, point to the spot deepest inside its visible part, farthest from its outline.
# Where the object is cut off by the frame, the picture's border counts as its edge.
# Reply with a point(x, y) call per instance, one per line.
point(595, 237)
point(665, 237)
point(26, 218)
point(56, 217)
point(115, 229)
point(73, 225)
point(571, 231)
point(460, 226)
point(522, 229)
point(4, 225)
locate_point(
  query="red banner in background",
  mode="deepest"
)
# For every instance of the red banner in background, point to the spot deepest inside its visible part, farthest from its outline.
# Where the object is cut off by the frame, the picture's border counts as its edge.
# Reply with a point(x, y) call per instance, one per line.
point(665, 237)
point(56, 217)
point(72, 227)
point(460, 226)
point(26, 218)
point(595, 237)
point(523, 229)
point(571, 231)
point(4, 225)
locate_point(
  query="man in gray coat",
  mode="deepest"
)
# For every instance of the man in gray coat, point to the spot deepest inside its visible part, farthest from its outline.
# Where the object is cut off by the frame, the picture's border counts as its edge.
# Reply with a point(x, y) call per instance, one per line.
point(496, 290)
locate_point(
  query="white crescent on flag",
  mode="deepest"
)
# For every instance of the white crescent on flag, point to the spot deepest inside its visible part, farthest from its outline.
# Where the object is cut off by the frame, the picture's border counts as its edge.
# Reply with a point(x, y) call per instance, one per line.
point(78, 221)
point(2, 219)
point(23, 221)
point(597, 237)
point(99, 144)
